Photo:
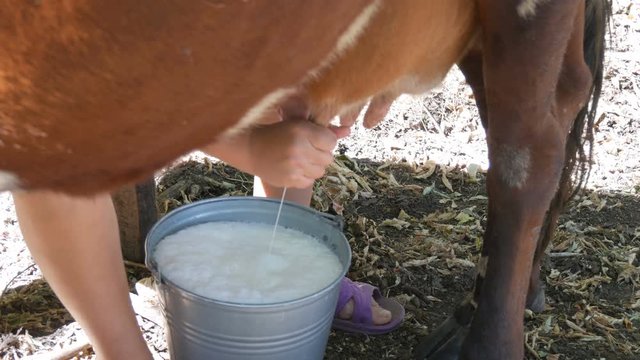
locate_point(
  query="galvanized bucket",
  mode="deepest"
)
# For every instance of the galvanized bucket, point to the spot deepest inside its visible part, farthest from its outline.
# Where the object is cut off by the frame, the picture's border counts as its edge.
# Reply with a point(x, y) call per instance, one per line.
point(202, 328)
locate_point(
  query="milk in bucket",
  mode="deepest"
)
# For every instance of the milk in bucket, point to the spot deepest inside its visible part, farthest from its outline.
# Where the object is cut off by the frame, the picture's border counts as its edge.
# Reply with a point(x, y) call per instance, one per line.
point(203, 327)
point(234, 262)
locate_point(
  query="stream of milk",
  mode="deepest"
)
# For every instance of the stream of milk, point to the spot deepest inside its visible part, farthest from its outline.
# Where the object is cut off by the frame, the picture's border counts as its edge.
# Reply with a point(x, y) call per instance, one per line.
point(275, 226)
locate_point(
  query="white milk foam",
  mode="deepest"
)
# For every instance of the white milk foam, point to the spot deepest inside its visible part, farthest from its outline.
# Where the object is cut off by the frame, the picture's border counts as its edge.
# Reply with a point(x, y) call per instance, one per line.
point(230, 261)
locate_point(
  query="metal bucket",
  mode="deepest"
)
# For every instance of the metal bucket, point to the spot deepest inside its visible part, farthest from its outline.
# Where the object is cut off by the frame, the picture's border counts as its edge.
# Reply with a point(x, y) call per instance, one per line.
point(202, 328)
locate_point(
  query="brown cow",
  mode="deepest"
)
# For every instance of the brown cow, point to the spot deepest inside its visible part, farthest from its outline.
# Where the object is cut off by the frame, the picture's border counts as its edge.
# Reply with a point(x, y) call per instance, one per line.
point(97, 93)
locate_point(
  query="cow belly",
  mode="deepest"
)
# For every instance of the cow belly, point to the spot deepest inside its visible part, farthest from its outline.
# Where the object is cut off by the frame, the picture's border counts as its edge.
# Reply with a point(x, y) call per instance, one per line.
point(95, 94)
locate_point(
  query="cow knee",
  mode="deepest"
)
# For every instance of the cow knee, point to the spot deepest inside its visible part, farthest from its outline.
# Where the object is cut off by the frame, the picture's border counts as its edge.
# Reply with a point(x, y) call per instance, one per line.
point(574, 85)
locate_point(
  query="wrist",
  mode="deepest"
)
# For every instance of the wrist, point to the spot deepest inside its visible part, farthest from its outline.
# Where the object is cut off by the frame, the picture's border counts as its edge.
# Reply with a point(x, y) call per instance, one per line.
point(233, 151)
point(252, 153)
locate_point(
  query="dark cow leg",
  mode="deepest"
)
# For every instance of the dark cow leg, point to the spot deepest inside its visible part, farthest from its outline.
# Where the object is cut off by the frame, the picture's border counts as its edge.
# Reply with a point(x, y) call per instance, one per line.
point(584, 47)
point(471, 67)
point(448, 337)
point(531, 103)
point(536, 296)
point(526, 143)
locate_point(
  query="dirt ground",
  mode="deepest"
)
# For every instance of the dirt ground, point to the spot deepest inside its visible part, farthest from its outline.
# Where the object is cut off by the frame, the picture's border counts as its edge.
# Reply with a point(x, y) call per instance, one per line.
point(415, 210)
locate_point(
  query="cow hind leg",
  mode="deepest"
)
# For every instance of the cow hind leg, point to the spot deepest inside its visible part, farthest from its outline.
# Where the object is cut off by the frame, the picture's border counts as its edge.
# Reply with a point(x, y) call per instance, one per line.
point(471, 67)
point(528, 184)
point(537, 82)
point(590, 43)
point(529, 119)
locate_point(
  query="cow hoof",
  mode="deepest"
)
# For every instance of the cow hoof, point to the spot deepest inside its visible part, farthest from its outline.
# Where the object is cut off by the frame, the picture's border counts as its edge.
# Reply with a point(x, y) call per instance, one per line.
point(444, 343)
point(537, 301)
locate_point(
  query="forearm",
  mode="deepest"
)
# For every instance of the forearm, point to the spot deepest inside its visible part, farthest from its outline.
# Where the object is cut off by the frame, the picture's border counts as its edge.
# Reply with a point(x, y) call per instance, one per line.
point(234, 150)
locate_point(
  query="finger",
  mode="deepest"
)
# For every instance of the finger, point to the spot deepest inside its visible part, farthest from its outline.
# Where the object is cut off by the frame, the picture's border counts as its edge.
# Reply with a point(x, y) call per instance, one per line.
point(378, 108)
point(315, 164)
point(340, 131)
point(321, 138)
point(314, 172)
point(321, 159)
point(301, 182)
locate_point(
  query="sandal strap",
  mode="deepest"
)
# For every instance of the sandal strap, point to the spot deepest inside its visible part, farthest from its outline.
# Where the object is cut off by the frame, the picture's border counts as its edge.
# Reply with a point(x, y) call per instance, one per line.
point(362, 295)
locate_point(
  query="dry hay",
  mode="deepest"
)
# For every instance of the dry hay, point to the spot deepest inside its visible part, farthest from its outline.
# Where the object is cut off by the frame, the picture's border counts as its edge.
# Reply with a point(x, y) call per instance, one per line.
point(416, 231)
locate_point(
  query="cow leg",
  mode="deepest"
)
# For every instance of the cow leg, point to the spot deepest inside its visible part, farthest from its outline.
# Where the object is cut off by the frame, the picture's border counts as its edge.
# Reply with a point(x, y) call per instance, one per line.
point(448, 337)
point(529, 121)
point(471, 67)
point(536, 82)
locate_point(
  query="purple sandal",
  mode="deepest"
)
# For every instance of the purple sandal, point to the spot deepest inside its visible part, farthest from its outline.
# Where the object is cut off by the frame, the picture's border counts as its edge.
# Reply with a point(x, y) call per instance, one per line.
point(361, 320)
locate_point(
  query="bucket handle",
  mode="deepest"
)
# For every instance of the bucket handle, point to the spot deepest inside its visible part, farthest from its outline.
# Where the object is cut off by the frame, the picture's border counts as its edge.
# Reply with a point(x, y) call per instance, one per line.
point(335, 220)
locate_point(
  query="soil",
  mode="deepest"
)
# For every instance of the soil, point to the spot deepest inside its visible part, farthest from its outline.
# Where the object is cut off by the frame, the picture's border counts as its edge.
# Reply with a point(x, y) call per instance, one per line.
point(414, 216)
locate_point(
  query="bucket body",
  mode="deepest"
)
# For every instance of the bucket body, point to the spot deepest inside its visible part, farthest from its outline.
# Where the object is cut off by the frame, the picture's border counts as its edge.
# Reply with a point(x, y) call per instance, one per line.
point(202, 328)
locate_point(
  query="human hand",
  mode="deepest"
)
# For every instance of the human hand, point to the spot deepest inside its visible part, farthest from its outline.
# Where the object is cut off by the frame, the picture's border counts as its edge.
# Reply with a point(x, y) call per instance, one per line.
point(294, 152)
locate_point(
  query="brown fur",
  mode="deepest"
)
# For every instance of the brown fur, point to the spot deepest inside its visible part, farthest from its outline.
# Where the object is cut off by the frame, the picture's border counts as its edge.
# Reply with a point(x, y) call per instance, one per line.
point(97, 93)
point(94, 94)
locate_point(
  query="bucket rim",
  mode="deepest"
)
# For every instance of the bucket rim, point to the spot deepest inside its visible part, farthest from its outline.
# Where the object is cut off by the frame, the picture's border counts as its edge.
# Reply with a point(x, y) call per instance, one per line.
point(331, 220)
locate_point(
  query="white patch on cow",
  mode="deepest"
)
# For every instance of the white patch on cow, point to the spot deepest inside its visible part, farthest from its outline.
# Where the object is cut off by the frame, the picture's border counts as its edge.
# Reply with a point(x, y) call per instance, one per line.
point(346, 40)
point(513, 165)
point(258, 111)
point(357, 27)
point(349, 37)
point(34, 131)
point(535, 233)
point(481, 267)
point(8, 181)
point(527, 8)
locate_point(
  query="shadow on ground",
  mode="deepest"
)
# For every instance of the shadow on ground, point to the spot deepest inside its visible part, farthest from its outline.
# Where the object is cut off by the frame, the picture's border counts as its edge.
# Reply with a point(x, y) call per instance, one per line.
point(415, 231)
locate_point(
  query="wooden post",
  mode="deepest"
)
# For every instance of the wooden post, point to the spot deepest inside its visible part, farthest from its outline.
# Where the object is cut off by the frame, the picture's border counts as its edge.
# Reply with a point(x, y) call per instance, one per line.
point(137, 212)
